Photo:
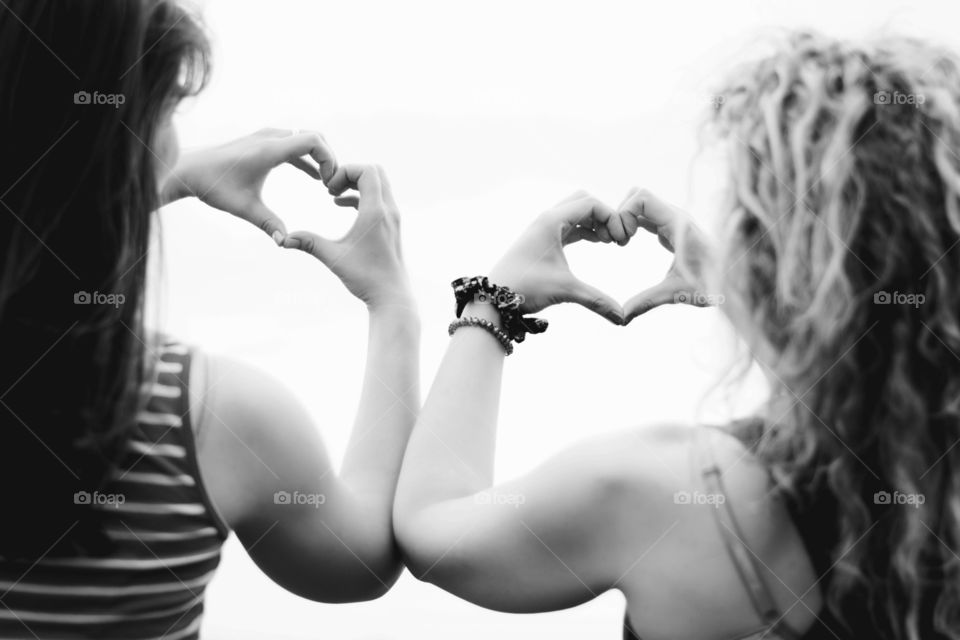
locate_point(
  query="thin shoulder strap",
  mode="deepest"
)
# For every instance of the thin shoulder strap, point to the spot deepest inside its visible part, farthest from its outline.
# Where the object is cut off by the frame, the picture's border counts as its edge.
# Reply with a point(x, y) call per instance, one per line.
point(748, 566)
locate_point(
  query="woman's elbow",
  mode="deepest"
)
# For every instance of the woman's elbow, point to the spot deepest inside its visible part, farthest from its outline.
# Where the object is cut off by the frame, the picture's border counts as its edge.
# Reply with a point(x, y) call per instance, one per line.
point(370, 582)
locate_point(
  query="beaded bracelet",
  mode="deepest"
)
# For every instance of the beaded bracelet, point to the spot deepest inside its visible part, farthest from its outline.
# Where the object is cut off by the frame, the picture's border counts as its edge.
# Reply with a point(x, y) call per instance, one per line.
point(492, 329)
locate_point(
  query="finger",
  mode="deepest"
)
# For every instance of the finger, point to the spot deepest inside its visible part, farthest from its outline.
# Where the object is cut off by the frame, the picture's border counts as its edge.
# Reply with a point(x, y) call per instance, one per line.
point(387, 188)
point(363, 178)
point(308, 143)
point(597, 301)
point(366, 180)
point(665, 292)
point(629, 221)
point(603, 233)
point(347, 201)
point(590, 233)
point(630, 224)
point(576, 234)
point(619, 226)
point(311, 243)
point(593, 214)
point(653, 214)
point(623, 203)
point(309, 169)
point(618, 231)
point(627, 210)
point(261, 216)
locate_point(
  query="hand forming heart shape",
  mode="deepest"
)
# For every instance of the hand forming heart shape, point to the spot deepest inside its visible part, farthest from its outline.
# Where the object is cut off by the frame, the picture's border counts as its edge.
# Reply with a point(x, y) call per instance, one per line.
point(537, 267)
point(669, 224)
point(230, 177)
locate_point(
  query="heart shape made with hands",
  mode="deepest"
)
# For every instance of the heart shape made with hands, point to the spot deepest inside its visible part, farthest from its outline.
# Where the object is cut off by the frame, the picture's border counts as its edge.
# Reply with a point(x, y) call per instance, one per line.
point(301, 205)
point(642, 211)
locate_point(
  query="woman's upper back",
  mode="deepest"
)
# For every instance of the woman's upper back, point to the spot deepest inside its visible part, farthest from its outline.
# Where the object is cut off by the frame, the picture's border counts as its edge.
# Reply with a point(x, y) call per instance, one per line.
point(731, 563)
point(165, 533)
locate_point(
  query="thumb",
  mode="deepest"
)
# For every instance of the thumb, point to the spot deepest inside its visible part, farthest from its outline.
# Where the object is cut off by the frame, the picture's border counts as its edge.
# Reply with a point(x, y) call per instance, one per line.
point(669, 291)
point(597, 301)
point(261, 216)
point(320, 248)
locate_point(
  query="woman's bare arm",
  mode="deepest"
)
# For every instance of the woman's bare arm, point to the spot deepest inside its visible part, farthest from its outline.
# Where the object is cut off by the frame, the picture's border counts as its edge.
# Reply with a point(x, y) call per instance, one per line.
point(323, 535)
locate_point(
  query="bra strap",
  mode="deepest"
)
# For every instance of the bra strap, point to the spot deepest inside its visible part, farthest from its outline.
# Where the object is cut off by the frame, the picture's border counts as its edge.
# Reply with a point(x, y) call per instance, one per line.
point(748, 566)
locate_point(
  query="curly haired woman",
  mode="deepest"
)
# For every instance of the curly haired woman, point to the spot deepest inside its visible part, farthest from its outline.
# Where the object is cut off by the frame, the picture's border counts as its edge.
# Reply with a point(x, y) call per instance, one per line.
point(835, 512)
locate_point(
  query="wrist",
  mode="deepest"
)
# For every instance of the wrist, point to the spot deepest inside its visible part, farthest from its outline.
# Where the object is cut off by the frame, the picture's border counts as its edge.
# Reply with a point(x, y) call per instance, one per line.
point(394, 306)
point(392, 292)
point(500, 308)
point(398, 326)
point(484, 310)
point(503, 276)
point(177, 186)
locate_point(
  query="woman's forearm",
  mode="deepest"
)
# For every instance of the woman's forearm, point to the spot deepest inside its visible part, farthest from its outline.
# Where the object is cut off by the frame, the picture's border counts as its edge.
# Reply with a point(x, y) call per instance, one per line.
point(389, 404)
point(451, 451)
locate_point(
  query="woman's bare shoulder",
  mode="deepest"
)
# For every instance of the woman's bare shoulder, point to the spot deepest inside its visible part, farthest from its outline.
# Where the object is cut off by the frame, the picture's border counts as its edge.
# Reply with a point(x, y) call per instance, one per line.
point(659, 471)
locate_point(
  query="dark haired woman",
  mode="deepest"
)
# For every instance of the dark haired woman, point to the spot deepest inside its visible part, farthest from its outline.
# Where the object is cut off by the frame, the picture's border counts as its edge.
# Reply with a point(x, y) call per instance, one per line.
point(836, 512)
point(126, 458)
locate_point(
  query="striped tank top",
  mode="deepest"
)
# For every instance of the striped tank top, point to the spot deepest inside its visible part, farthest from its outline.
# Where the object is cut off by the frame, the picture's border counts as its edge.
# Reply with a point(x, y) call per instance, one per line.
point(167, 538)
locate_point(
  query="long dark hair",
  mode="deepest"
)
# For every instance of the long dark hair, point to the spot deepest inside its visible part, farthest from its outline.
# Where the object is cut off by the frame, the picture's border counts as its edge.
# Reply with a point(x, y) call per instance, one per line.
point(84, 87)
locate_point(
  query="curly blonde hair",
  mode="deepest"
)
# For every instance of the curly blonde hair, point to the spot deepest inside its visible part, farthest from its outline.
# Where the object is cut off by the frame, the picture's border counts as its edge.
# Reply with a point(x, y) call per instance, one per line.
point(840, 258)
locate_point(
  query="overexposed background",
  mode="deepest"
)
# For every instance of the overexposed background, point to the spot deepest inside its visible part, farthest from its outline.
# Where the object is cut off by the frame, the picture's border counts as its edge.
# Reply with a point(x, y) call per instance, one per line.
point(483, 115)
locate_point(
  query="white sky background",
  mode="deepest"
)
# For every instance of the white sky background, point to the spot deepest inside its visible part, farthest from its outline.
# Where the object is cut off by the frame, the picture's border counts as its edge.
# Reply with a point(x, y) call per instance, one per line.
point(483, 114)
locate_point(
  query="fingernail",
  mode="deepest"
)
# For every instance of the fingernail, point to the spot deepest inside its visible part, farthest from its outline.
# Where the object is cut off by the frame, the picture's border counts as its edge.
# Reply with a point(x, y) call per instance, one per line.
point(291, 243)
point(278, 238)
